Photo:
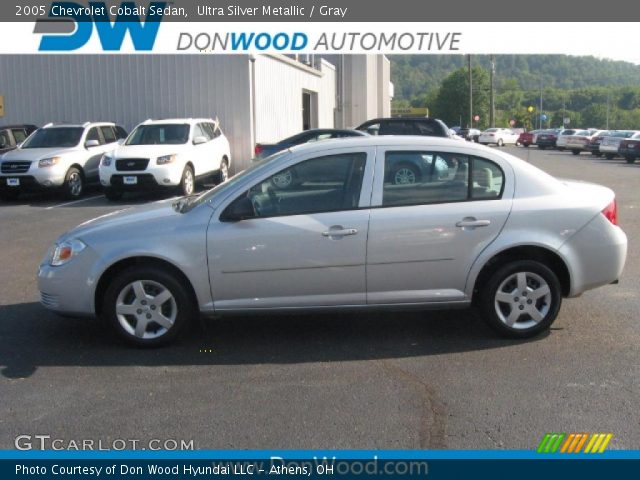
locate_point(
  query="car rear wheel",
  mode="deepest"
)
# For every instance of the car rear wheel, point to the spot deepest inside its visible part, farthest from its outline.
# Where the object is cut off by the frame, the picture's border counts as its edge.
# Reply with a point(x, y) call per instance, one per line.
point(113, 194)
point(575, 152)
point(609, 156)
point(147, 306)
point(630, 159)
point(521, 299)
point(73, 183)
point(188, 182)
point(500, 142)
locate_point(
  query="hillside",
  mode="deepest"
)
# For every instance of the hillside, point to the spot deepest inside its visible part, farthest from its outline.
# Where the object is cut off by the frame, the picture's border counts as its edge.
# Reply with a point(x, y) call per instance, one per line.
point(415, 75)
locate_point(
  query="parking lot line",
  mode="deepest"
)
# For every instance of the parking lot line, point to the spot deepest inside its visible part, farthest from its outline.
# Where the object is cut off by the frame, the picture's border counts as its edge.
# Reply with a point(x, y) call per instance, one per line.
point(74, 202)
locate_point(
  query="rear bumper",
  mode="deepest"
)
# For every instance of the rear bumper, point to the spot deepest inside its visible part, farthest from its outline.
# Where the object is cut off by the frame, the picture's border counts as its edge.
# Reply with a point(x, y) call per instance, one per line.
point(595, 255)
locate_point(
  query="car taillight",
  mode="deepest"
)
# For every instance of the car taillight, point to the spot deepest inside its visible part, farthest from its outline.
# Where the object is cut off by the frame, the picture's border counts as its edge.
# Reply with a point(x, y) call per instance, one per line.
point(258, 149)
point(611, 212)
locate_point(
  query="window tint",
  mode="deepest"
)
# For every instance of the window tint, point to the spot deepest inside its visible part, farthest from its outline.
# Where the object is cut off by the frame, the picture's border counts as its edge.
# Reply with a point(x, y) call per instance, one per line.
point(398, 128)
point(321, 184)
point(93, 135)
point(487, 180)
point(216, 130)
point(199, 130)
point(19, 134)
point(120, 132)
point(425, 128)
point(416, 178)
point(108, 134)
point(372, 129)
point(320, 136)
point(209, 129)
point(4, 139)
point(160, 134)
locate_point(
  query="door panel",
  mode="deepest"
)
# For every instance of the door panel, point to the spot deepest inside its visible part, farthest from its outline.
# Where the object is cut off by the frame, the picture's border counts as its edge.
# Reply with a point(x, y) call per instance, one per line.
point(422, 252)
point(303, 245)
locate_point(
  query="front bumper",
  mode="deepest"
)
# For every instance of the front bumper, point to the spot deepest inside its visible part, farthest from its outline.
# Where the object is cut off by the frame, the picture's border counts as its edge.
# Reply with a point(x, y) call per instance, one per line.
point(30, 181)
point(150, 178)
point(69, 289)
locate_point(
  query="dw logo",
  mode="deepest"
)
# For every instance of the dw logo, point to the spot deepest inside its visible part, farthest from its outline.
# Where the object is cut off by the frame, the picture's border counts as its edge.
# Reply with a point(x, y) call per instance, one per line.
point(58, 37)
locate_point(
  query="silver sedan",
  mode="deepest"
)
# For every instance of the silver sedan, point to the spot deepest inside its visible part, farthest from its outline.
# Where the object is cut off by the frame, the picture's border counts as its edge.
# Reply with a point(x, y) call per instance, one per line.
point(470, 226)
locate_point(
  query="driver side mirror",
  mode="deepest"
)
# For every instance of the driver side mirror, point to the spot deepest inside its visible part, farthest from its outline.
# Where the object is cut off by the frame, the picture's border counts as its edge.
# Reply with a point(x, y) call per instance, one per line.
point(199, 140)
point(240, 209)
point(91, 143)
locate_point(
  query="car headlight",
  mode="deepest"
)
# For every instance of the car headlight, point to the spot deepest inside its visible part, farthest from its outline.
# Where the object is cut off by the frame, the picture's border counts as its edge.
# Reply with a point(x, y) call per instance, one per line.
point(105, 161)
point(166, 159)
point(49, 162)
point(65, 251)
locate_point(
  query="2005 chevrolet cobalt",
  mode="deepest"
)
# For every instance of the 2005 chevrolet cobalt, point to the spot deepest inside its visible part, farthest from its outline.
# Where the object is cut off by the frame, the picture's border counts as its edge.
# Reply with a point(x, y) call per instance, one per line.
point(359, 224)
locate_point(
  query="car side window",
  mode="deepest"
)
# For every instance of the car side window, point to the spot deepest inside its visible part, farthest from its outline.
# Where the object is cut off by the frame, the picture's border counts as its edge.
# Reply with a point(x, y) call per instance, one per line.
point(108, 134)
point(398, 128)
point(425, 128)
point(212, 130)
point(373, 129)
point(199, 131)
point(19, 135)
point(419, 178)
point(324, 184)
point(4, 139)
point(120, 132)
point(94, 135)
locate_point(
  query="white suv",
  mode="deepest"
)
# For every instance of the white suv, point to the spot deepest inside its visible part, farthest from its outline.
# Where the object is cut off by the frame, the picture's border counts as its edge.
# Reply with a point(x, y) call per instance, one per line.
point(167, 153)
point(58, 156)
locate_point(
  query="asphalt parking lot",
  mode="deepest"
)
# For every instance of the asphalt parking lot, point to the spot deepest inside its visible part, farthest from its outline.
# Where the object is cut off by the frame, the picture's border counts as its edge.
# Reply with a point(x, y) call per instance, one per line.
point(386, 380)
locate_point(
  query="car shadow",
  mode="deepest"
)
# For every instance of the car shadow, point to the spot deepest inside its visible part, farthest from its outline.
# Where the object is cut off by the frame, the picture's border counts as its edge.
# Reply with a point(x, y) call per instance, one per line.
point(32, 337)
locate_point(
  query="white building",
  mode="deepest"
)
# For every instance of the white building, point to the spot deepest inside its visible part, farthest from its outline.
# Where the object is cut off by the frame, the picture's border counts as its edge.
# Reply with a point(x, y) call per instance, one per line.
point(261, 98)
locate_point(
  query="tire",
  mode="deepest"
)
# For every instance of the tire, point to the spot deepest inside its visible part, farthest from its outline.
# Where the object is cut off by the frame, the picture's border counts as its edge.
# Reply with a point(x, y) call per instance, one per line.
point(630, 159)
point(500, 143)
point(526, 145)
point(73, 186)
point(131, 308)
point(8, 195)
point(542, 147)
point(187, 182)
point(609, 156)
point(223, 174)
point(405, 174)
point(501, 297)
point(575, 152)
point(113, 194)
point(560, 149)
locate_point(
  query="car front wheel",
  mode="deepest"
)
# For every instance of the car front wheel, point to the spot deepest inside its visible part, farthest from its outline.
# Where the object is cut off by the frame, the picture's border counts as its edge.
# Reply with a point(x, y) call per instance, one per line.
point(147, 306)
point(188, 182)
point(521, 299)
point(73, 183)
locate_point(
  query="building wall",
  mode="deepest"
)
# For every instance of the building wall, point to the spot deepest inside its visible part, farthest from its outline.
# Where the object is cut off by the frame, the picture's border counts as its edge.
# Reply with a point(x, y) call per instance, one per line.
point(279, 84)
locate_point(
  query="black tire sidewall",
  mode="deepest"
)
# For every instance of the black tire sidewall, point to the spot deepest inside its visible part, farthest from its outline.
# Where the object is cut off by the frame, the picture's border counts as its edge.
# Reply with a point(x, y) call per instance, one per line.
point(186, 308)
point(487, 297)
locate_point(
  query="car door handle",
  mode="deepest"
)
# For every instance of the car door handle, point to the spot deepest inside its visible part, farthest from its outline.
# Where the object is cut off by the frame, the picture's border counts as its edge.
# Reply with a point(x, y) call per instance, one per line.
point(339, 232)
point(472, 222)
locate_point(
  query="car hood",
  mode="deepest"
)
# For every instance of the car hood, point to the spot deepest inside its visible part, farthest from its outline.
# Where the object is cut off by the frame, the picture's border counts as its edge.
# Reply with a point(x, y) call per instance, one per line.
point(36, 153)
point(127, 218)
point(147, 151)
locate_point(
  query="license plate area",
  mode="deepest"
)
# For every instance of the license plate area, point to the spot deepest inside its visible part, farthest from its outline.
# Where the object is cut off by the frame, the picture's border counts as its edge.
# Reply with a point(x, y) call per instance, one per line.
point(130, 180)
point(13, 182)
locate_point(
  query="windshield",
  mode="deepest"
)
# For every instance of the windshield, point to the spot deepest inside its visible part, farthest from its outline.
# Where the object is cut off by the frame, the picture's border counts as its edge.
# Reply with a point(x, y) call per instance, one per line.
point(58, 137)
point(491, 130)
point(192, 202)
point(622, 134)
point(164, 134)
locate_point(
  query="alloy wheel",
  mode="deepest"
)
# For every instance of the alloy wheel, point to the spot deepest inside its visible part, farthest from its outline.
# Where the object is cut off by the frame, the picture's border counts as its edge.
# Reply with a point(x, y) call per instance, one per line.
point(146, 309)
point(523, 300)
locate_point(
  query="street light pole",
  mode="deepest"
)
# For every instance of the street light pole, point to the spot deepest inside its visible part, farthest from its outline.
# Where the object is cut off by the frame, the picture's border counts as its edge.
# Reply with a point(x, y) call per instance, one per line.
point(492, 107)
point(470, 93)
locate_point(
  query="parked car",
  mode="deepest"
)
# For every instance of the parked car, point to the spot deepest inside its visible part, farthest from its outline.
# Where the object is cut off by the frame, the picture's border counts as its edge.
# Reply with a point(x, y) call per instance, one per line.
point(470, 134)
point(498, 136)
point(431, 127)
point(594, 144)
point(173, 153)
point(263, 150)
point(610, 144)
point(561, 141)
point(64, 157)
point(491, 230)
point(546, 139)
point(527, 138)
point(578, 141)
point(630, 148)
point(13, 135)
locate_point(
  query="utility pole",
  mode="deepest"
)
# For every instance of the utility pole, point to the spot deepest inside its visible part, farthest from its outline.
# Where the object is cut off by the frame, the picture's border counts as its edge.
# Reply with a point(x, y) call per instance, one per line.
point(540, 112)
point(608, 94)
point(492, 106)
point(470, 93)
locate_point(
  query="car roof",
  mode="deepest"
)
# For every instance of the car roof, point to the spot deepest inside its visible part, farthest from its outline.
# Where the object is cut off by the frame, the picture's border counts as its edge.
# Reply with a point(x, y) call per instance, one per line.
point(419, 141)
point(79, 125)
point(17, 125)
point(164, 121)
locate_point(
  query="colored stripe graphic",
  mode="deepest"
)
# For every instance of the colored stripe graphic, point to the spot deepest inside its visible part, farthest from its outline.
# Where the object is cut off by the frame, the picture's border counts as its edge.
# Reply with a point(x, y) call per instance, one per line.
point(574, 442)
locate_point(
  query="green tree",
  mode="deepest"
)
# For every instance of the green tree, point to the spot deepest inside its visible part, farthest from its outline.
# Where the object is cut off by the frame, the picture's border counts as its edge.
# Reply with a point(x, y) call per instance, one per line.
point(452, 100)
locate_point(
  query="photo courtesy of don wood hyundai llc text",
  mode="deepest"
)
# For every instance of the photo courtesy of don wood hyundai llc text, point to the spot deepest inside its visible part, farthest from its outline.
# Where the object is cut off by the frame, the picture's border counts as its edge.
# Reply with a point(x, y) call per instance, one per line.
point(331, 239)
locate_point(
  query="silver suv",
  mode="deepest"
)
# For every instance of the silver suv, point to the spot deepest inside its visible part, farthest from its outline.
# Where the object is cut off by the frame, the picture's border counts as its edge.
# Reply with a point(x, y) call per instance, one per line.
point(61, 157)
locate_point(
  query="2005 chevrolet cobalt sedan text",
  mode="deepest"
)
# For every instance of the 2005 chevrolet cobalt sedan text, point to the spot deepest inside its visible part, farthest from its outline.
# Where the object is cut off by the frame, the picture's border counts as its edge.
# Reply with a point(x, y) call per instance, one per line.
point(471, 226)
